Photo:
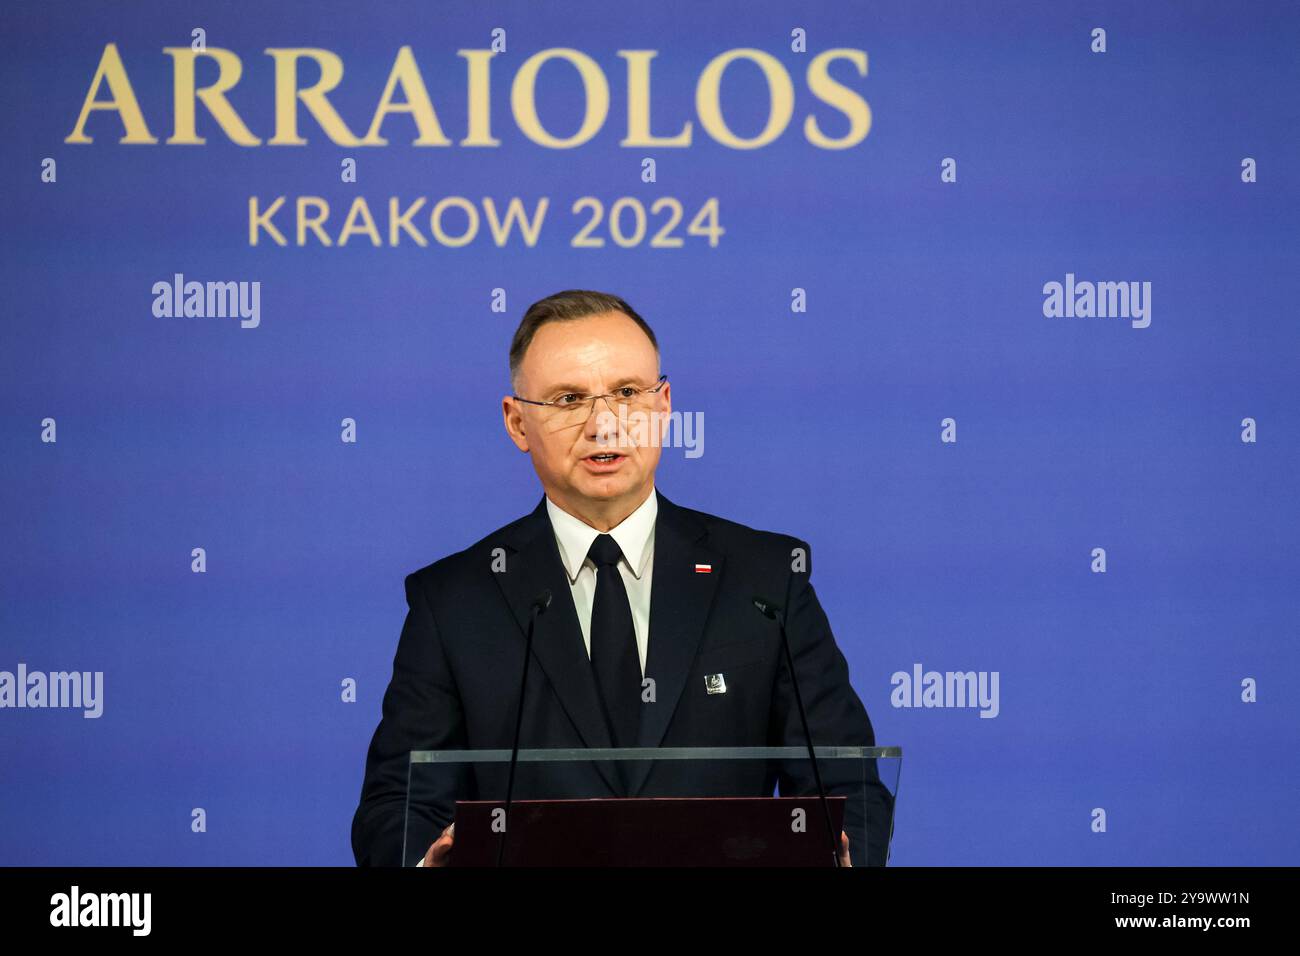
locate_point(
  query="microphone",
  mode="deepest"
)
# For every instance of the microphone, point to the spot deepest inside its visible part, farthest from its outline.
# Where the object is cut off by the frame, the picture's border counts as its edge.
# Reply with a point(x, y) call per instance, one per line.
point(773, 612)
point(540, 604)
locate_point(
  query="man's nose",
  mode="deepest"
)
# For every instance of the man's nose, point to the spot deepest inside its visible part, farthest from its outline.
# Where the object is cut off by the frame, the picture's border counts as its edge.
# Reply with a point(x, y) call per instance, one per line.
point(601, 419)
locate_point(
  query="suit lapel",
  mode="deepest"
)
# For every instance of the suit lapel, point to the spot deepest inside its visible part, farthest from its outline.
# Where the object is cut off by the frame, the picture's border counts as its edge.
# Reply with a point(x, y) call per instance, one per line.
point(680, 598)
point(532, 565)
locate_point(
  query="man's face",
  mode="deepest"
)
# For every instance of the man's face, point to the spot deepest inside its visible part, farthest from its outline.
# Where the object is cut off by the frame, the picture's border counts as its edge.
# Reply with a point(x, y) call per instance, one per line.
point(589, 356)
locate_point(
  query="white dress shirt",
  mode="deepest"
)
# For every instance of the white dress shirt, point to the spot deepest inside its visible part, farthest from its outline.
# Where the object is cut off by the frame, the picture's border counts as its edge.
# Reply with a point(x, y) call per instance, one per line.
point(635, 535)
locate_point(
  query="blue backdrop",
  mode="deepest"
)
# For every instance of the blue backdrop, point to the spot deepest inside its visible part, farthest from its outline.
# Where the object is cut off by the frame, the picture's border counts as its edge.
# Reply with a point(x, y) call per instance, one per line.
point(1149, 714)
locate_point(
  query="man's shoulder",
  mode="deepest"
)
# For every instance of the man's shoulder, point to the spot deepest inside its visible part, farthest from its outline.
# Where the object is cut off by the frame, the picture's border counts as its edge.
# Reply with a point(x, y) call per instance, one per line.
point(766, 562)
point(461, 567)
point(735, 538)
point(464, 568)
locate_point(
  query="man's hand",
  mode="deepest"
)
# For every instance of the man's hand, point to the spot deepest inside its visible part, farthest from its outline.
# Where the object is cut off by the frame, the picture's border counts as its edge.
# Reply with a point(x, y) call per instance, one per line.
point(844, 849)
point(440, 853)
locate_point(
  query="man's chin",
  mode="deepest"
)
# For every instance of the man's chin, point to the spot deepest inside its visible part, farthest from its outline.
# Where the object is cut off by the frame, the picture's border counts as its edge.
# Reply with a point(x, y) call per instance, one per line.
point(604, 487)
point(603, 490)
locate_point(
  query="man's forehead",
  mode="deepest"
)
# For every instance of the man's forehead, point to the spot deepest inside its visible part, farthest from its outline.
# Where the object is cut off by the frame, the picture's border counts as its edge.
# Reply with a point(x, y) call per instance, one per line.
point(580, 352)
point(601, 374)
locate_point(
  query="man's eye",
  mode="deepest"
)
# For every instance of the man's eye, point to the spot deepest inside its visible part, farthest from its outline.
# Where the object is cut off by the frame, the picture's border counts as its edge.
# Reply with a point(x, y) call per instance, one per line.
point(569, 398)
point(628, 391)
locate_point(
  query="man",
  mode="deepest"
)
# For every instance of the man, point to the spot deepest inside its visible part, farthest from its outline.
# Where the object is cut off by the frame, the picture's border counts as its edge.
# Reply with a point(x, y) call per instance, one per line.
point(644, 593)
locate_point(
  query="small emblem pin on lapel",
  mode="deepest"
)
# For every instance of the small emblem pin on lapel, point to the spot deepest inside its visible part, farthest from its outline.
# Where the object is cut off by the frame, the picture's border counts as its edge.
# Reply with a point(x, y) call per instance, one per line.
point(715, 683)
point(703, 568)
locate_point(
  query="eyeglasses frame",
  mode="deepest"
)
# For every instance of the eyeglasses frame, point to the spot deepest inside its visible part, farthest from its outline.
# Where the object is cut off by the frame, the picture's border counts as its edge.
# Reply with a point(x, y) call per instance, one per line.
point(649, 390)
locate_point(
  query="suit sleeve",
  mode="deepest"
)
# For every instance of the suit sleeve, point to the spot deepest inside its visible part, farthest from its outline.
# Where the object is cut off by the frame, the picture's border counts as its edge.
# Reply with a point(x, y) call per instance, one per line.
point(836, 718)
point(421, 711)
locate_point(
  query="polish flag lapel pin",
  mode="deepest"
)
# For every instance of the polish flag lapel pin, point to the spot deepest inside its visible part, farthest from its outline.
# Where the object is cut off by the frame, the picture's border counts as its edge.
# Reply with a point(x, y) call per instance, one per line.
point(704, 569)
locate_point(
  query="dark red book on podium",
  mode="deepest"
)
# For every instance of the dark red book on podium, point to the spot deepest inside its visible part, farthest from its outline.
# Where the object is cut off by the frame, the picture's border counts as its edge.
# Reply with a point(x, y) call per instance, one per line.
point(649, 831)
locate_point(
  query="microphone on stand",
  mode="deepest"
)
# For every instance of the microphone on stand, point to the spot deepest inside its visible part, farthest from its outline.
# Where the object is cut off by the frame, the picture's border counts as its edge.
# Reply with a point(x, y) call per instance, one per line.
point(540, 604)
point(773, 612)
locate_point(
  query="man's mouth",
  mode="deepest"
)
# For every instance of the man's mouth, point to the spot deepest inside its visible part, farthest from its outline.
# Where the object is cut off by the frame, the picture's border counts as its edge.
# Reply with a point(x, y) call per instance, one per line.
point(604, 462)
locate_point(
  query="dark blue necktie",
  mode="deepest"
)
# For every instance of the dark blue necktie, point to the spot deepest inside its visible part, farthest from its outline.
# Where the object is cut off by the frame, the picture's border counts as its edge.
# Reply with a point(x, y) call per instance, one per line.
point(614, 656)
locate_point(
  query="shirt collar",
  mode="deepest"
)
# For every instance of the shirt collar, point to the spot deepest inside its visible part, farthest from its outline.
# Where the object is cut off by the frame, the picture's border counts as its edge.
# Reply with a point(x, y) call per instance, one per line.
point(633, 535)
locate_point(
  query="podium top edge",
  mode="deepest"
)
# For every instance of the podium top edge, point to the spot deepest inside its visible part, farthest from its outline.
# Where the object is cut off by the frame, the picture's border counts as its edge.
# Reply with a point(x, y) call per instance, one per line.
point(653, 753)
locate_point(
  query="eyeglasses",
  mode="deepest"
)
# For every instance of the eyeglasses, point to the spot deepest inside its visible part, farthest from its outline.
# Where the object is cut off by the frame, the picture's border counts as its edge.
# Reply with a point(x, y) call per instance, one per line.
point(574, 408)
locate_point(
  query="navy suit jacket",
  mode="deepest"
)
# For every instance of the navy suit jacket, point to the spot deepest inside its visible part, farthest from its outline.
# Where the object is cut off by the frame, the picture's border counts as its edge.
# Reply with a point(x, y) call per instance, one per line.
point(460, 655)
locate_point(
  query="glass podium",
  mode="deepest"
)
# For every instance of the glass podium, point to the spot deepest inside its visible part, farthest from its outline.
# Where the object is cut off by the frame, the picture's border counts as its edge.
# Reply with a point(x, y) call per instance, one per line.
point(653, 806)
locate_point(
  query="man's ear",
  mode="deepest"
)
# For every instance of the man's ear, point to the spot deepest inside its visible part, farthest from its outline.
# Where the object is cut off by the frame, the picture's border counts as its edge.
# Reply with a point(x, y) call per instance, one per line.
point(513, 419)
point(667, 413)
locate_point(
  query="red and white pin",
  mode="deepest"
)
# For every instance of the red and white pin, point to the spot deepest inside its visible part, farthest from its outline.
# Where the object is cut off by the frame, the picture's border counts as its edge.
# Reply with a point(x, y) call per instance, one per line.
point(704, 569)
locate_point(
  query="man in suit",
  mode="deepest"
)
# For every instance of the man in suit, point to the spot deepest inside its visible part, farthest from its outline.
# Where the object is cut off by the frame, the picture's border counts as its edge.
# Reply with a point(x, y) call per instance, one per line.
point(651, 637)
